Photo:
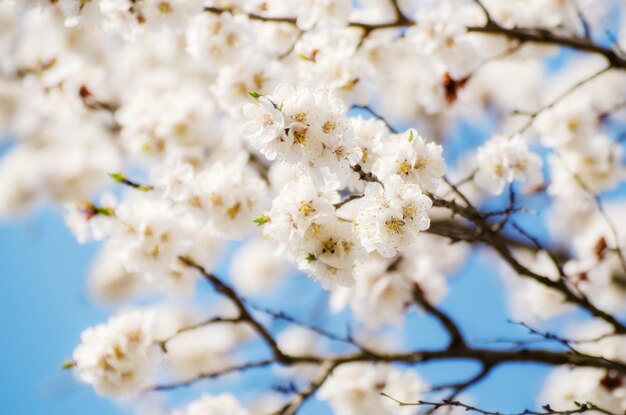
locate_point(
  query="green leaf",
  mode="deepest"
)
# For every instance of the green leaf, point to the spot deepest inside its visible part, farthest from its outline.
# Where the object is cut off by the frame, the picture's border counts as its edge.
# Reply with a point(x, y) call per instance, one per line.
point(144, 187)
point(105, 211)
point(117, 177)
point(304, 57)
point(310, 258)
point(255, 95)
point(410, 136)
point(262, 220)
point(68, 364)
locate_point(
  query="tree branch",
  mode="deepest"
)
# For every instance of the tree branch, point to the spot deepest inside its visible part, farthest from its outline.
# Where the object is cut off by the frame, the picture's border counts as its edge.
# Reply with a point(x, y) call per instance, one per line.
point(292, 407)
point(580, 408)
point(244, 314)
point(456, 338)
point(546, 37)
point(486, 235)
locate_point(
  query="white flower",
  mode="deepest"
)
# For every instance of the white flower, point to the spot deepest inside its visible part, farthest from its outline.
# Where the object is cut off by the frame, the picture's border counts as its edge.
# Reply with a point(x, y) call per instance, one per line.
point(368, 137)
point(109, 282)
point(89, 222)
point(256, 268)
point(218, 40)
point(151, 238)
point(312, 132)
point(172, 179)
point(529, 299)
point(117, 357)
point(214, 405)
point(565, 385)
point(573, 119)
point(406, 386)
point(167, 123)
point(298, 341)
point(502, 160)
point(234, 83)
point(383, 288)
point(597, 163)
point(323, 13)
point(129, 17)
point(231, 197)
point(225, 198)
point(265, 123)
point(391, 218)
point(410, 157)
point(440, 32)
point(379, 295)
point(328, 252)
point(354, 389)
point(204, 350)
point(597, 267)
point(300, 203)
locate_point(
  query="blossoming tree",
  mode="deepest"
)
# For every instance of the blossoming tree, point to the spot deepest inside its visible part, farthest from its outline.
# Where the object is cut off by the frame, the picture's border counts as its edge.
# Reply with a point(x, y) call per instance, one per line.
point(374, 146)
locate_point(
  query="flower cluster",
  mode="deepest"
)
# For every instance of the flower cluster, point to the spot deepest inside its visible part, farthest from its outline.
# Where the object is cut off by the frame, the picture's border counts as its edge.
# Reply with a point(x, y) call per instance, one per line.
point(117, 357)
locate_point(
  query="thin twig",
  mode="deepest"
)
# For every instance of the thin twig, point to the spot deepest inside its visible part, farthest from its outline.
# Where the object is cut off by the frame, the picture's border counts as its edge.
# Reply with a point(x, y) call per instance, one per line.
point(580, 407)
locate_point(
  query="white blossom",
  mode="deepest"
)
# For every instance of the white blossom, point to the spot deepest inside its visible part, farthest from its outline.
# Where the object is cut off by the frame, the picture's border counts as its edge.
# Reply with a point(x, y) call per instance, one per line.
point(300, 203)
point(502, 160)
point(323, 13)
point(355, 389)
point(90, 222)
point(213, 405)
point(313, 130)
point(571, 120)
point(256, 267)
point(117, 357)
point(390, 218)
point(410, 157)
point(594, 166)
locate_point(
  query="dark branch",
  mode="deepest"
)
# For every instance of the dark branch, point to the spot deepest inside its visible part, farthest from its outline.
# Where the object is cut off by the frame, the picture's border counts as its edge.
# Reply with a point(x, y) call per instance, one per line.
point(244, 314)
point(456, 338)
point(547, 410)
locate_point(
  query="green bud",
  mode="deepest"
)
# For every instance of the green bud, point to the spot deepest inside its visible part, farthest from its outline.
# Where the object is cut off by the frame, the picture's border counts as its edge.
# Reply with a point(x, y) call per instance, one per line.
point(310, 258)
point(68, 364)
point(304, 57)
point(117, 177)
point(105, 211)
point(144, 187)
point(255, 95)
point(261, 220)
point(410, 136)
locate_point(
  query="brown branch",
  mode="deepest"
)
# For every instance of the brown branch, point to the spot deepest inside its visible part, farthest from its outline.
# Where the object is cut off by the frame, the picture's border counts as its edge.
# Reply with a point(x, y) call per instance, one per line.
point(366, 177)
point(456, 338)
point(214, 320)
point(580, 407)
point(376, 115)
point(546, 37)
point(395, 4)
point(487, 357)
point(534, 35)
point(486, 235)
point(292, 407)
point(238, 368)
point(348, 199)
point(460, 387)
point(401, 21)
point(533, 116)
point(244, 314)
